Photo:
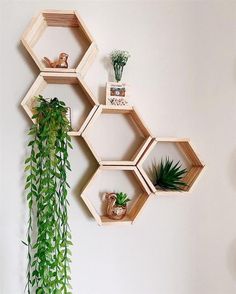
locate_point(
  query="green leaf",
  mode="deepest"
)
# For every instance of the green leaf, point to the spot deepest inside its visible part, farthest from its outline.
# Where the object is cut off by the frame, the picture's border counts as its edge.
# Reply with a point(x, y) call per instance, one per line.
point(48, 163)
point(169, 175)
point(24, 243)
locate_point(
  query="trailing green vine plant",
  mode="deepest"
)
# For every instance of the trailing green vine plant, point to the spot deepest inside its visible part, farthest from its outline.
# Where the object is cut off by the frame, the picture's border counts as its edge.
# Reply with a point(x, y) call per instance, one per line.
point(48, 237)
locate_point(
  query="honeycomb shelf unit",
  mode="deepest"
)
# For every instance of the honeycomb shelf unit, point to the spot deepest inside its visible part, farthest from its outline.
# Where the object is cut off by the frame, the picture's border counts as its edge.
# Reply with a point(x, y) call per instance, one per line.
point(55, 79)
point(47, 31)
point(124, 148)
point(131, 174)
point(131, 136)
point(183, 145)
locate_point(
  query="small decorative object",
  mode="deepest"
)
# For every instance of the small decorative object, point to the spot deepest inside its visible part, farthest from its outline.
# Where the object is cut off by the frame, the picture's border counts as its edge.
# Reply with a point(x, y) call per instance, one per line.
point(119, 59)
point(169, 176)
point(61, 62)
point(116, 205)
point(116, 93)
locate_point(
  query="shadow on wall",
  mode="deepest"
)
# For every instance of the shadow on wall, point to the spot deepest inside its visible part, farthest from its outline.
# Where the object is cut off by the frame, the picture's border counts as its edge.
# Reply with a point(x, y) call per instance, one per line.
point(87, 174)
point(232, 170)
point(231, 259)
point(29, 62)
point(106, 61)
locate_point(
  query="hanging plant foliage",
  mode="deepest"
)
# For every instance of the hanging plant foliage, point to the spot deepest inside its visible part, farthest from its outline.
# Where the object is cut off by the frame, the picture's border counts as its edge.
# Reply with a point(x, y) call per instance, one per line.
point(48, 237)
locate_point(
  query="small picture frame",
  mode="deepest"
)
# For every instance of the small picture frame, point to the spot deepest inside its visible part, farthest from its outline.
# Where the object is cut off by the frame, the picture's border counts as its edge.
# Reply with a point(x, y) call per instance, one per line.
point(116, 94)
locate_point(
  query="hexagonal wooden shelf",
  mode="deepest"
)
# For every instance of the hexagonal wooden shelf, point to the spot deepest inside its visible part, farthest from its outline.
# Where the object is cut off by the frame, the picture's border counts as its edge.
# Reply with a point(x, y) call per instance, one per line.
point(129, 173)
point(127, 134)
point(195, 165)
point(44, 36)
point(45, 79)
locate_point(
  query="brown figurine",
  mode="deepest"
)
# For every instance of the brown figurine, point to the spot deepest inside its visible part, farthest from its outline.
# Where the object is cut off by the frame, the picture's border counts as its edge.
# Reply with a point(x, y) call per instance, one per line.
point(113, 210)
point(60, 63)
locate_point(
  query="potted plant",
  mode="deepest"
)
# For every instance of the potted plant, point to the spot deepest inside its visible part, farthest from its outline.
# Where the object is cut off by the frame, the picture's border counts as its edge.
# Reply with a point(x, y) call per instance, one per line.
point(116, 93)
point(169, 175)
point(48, 237)
point(116, 205)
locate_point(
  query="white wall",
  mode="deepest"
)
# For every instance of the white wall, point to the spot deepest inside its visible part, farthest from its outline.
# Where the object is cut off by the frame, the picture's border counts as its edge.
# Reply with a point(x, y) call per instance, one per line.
point(183, 77)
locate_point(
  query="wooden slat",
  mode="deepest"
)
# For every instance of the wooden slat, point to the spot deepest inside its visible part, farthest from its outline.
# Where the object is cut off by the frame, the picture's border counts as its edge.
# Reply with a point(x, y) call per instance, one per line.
point(84, 27)
point(32, 28)
point(38, 33)
point(86, 139)
point(136, 117)
point(139, 152)
point(90, 96)
point(32, 54)
point(92, 209)
point(107, 221)
point(191, 176)
point(147, 179)
point(171, 139)
point(87, 120)
point(87, 59)
point(142, 183)
point(147, 151)
point(117, 162)
point(56, 70)
point(118, 167)
point(57, 11)
point(138, 206)
point(189, 152)
point(59, 18)
point(116, 109)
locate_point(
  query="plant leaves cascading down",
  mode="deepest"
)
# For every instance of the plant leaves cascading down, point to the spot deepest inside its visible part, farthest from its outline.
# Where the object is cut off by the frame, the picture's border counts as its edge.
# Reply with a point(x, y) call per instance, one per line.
point(169, 176)
point(46, 184)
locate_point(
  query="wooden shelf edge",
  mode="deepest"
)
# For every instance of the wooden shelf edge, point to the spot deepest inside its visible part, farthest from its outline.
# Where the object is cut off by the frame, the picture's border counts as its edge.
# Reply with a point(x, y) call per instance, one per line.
point(107, 221)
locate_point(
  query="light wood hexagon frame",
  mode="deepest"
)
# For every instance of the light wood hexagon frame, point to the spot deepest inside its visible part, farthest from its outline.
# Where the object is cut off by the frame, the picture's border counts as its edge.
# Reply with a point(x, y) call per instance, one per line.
point(136, 208)
point(28, 103)
point(186, 148)
point(137, 121)
point(59, 18)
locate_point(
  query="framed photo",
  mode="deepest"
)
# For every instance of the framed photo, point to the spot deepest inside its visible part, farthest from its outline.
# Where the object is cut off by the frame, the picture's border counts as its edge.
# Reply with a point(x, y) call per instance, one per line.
point(116, 94)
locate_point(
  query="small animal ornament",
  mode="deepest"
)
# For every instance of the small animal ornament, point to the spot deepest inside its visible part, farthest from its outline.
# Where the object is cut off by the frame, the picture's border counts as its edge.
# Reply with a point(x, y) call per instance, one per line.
point(61, 62)
point(114, 211)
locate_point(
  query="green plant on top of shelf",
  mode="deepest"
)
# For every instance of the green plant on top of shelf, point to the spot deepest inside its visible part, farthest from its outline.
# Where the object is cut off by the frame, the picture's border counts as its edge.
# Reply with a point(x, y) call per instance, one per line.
point(48, 236)
point(121, 199)
point(119, 59)
point(169, 175)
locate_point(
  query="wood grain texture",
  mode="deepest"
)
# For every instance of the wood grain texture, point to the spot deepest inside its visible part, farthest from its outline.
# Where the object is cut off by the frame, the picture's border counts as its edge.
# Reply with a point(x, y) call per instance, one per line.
point(185, 147)
point(137, 206)
point(59, 18)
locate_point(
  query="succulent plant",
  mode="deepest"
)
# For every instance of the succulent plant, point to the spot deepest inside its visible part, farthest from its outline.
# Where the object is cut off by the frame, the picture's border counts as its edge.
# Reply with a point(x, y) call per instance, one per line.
point(169, 175)
point(121, 199)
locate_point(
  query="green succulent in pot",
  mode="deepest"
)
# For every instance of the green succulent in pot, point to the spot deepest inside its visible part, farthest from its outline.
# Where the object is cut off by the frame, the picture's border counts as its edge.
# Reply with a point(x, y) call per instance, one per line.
point(116, 205)
point(121, 199)
point(48, 237)
point(169, 175)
